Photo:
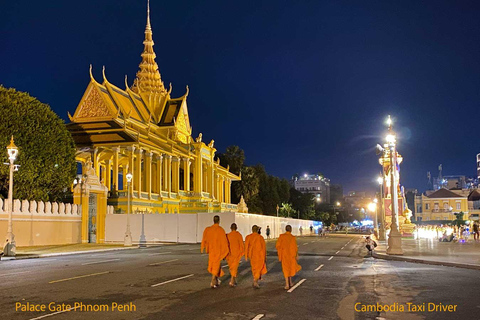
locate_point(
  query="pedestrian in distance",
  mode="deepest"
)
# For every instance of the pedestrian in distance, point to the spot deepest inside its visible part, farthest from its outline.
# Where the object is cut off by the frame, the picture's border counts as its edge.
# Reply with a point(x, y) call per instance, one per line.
point(256, 251)
point(475, 231)
point(371, 245)
point(237, 249)
point(267, 232)
point(287, 250)
point(301, 230)
point(214, 242)
point(311, 229)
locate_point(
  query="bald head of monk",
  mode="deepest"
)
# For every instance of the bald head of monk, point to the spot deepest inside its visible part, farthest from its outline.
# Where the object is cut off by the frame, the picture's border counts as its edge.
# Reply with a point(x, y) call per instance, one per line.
point(216, 219)
point(254, 228)
point(288, 228)
point(233, 227)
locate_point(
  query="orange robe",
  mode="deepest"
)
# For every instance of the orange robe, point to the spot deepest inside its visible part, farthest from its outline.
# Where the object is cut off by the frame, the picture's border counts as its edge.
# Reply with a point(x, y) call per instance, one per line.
point(256, 251)
point(287, 253)
point(235, 243)
point(215, 243)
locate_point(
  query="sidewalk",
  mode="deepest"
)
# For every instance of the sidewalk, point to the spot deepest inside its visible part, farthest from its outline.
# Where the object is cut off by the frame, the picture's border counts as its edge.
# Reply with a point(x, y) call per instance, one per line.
point(59, 250)
point(431, 251)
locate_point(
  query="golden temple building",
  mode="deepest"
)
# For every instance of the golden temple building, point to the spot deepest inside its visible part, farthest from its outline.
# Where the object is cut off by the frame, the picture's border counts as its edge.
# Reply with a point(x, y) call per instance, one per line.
point(142, 130)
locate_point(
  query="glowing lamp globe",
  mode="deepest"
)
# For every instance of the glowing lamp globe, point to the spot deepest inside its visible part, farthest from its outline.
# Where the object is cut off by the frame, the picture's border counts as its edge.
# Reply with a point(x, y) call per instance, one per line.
point(12, 150)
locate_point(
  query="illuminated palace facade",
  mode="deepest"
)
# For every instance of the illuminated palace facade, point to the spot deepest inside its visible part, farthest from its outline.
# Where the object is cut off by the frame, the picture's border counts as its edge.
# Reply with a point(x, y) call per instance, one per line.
point(143, 130)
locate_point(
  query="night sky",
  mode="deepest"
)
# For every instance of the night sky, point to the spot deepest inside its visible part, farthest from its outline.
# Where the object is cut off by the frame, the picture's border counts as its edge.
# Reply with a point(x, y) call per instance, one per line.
point(301, 86)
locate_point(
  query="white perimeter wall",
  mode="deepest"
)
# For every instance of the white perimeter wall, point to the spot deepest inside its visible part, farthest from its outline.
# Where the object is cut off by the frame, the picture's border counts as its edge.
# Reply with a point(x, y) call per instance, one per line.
point(188, 228)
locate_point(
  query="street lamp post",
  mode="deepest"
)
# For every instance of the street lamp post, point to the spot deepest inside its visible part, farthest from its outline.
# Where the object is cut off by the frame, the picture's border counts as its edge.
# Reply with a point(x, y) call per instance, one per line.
point(381, 234)
point(10, 247)
point(395, 237)
point(128, 235)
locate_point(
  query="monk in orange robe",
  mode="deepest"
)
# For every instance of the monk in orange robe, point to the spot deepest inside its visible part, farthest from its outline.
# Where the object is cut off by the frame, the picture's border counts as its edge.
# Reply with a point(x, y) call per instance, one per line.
point(287, 250)
point(215, 243)
point(235, 244)
point(256, 251)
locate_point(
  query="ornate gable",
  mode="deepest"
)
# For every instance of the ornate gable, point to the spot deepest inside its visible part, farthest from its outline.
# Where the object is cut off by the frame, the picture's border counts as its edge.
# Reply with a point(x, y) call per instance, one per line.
point(93, 106)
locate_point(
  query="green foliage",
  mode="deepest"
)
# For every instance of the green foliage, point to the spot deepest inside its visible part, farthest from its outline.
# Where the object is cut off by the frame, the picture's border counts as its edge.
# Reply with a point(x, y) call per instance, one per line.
point(286, 210)
point(233, 157)
point(303, 203)
point(262, 192)
point(459, 219)
point(46, 149)
point(327, 218)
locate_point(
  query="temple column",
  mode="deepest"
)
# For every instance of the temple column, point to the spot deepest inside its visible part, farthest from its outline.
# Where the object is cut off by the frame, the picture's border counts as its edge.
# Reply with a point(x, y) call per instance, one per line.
point(228, 194)
point(149, 173)
point(159, 173)
point(186, 174)
point(95, 162)
point(165, 173)
point(211, 180)
point(168, 163)
point(198, 175)
point(124, 176)
point(108, 174)
point(217, 186)
point(116, 150)
point(138, 172)
point(222, 189)
point(175, 174)
point(129, 167)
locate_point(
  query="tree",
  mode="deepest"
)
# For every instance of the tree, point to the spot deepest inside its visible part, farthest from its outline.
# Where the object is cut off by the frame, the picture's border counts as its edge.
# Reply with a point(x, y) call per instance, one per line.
point(233, 157)
point(46, 149)
point(327, 218)
point(302, 203)
point(286, 210)
point(248, 186)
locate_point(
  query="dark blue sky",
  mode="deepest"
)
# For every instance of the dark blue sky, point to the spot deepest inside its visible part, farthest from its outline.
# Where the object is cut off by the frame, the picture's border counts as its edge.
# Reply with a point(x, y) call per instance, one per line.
point(301, 86)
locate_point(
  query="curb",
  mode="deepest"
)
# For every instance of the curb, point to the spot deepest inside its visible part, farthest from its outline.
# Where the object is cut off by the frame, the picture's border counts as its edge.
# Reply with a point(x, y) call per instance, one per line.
point(47, 255)
point(429, 262)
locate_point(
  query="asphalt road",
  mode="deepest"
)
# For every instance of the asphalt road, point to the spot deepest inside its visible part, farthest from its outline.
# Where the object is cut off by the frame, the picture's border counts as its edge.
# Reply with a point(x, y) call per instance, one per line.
point(171, 282)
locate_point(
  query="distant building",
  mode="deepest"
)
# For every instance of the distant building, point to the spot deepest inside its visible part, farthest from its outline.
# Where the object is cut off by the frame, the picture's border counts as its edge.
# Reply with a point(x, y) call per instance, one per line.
point(442, 204)
point(336, 193)
point(315, 184)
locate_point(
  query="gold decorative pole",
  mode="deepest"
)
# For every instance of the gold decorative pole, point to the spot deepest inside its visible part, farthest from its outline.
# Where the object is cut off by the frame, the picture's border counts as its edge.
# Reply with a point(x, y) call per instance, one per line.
point(395, 237)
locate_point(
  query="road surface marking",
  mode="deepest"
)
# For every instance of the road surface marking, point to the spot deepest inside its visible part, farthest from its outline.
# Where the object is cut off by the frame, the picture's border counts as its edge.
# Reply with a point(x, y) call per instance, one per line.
point(8, 274)
point(337, 252)
point(295, 286)
point(330, 258)
point(258, 316)
point(84, 276)
point(52, 314)
point(319, 267)
point(162, 262)
point(225, 266)
point(305, 244)
point(154, 254)
point(165, 282)
point(342, 248)
point(95, 262)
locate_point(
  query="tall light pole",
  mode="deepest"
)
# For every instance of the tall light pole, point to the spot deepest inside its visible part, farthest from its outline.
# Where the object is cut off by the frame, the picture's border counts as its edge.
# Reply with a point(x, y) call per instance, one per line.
point(395, 237)
point(128, 235)
point(10, 247)
point(381, 235)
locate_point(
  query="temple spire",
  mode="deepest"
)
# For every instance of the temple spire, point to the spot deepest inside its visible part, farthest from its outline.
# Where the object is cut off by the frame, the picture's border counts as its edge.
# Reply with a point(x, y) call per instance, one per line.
point(148, 77)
